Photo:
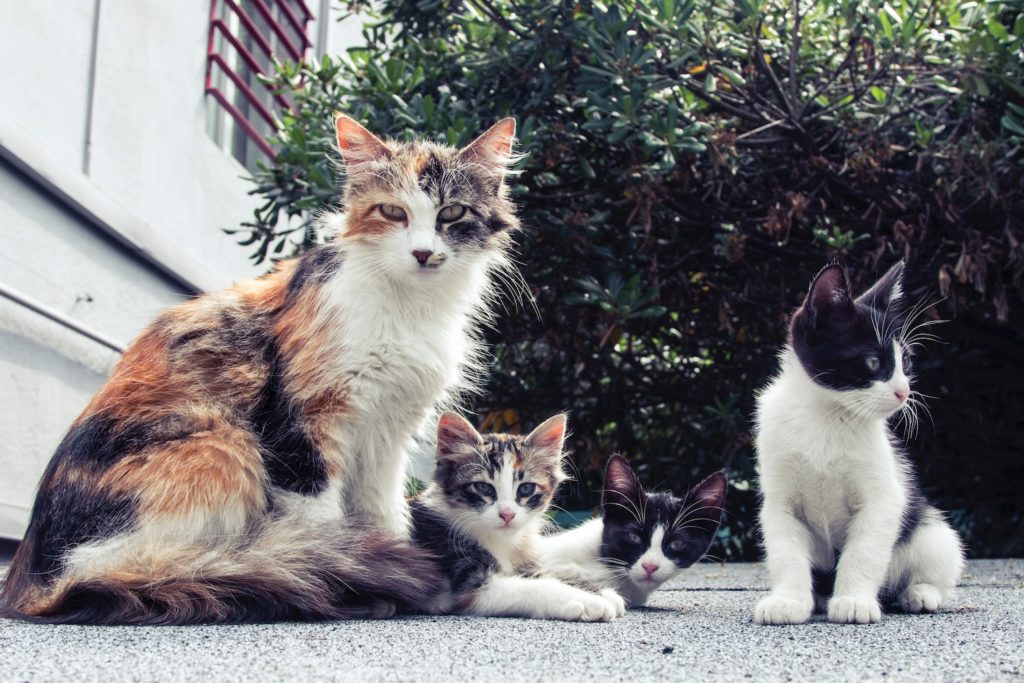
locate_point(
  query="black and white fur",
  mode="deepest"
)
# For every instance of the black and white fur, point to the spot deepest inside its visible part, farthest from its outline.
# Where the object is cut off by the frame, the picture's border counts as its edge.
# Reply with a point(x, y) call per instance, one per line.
point(841, 510)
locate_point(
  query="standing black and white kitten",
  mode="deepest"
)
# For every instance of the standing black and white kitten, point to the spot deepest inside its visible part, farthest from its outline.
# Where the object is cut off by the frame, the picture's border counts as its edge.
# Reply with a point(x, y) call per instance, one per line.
point(482, 516)
point(833, 478)
point(641, 539)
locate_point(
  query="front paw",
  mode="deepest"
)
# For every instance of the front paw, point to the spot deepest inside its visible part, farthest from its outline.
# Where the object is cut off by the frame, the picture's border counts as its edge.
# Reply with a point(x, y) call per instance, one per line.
point(777, 610)
point(587, 607)
point(849, 609)
point(921, 597)
point(616, 601)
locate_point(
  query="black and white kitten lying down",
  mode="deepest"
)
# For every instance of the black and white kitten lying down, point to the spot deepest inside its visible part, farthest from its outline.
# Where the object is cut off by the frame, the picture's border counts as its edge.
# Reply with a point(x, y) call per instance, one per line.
point(482, 516)
point(833, 479)
point(641, 539)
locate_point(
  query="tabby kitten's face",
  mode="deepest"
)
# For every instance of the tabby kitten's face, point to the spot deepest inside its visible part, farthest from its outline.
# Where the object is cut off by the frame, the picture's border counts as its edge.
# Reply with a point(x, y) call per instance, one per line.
point(858, 349)
point(498, 483)
point(649, 537)
point(426, 210)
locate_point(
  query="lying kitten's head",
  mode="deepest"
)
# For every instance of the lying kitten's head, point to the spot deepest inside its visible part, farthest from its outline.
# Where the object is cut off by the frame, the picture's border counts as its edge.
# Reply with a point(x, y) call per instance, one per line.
point(426, 209)
point(855, 347)
point(498, 483)
point(651, 536)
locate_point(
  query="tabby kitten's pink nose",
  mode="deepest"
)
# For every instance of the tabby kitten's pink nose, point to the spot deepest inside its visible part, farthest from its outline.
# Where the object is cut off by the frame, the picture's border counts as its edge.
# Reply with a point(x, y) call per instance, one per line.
point(650, 568)
point(507, 515)
point(422, 255)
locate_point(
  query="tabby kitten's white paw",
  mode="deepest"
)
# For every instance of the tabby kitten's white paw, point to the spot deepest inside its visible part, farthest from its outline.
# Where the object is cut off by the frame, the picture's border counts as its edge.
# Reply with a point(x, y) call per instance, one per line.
point(776, 610)
point(850, 609)
point(616, 601)
point(921, 597)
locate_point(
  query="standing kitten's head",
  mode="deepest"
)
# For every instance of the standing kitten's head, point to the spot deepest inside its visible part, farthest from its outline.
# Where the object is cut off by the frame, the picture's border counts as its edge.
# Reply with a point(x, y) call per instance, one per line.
point(498, 483)
point(649, 537)
point(425, 209)
point(854, 346)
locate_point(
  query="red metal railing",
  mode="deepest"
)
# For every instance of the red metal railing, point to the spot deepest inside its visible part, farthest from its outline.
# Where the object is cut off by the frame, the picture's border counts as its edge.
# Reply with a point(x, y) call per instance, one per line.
point(263, 40)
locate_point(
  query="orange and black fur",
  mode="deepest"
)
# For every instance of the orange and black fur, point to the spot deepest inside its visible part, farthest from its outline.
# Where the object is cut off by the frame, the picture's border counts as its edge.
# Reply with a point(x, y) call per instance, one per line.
point(245, 460)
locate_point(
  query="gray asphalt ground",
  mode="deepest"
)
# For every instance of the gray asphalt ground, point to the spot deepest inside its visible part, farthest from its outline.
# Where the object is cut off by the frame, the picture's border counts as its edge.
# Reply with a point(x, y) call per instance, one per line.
point(697, 629)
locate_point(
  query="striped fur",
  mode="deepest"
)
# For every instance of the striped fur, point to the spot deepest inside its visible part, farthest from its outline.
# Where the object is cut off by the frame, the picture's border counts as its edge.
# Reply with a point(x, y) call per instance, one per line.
point(247, 457)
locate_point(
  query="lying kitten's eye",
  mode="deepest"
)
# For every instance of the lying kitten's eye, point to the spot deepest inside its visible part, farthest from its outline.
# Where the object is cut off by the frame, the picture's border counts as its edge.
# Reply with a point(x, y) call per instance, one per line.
point(677, 545)
point(907, 360)
point(634, 538)
point(526, 490)
point(395, 213)
point(873, 362)
point(452, 212)
point(483, 489)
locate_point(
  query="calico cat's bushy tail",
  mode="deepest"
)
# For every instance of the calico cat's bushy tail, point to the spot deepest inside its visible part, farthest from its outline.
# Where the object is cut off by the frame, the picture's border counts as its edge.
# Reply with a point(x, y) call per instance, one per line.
point(284, 573)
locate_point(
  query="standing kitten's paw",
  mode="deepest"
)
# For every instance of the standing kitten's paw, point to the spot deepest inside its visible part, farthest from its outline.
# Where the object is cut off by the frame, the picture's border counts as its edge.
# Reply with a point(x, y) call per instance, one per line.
point(617, 603)
point(776, 610)
point(921, 597)
point(849, 609)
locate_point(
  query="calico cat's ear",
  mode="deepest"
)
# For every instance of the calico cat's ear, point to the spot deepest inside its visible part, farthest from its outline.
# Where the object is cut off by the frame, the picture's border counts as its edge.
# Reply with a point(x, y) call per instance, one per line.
point(829, 292)
point(356, 143)
point(548, 439)
point(493, 149)
point(622, 489)
point(887, 291)
point(456, 437)
point(709, 496)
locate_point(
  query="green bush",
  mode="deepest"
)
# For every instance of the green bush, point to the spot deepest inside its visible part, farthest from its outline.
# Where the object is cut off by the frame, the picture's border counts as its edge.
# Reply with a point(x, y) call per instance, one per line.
point(690, 166)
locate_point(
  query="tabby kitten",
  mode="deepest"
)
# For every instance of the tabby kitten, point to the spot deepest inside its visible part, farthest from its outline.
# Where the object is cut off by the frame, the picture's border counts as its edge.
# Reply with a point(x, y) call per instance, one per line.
point(208, 479)
point(482, 516)
point(834, 480)
point(641, 539)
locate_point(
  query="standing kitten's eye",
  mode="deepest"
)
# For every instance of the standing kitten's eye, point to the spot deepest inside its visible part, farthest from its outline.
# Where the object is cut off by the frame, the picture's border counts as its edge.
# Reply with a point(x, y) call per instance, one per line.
point(873, 362)
point(677, 545)
point(526, 490)
point(634, 537)
point(395, 213)
point(483, 489)
point(452, 212)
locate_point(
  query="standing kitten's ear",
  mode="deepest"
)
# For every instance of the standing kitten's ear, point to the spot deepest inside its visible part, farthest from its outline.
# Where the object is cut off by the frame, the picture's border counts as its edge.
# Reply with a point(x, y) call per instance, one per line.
point(622, 489)
point(456, 437)
point(829, 292)
point(709, 496)
point(548, 439)
point(493, 149)
point(357, 144)
point(887, 291)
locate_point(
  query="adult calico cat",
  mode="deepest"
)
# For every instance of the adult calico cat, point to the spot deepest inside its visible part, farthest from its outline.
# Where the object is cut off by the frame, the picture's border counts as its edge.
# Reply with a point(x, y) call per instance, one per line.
point(209, 478)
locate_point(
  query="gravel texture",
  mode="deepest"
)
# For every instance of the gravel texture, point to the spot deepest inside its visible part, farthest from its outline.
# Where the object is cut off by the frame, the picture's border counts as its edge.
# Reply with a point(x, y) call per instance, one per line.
point(698, 629)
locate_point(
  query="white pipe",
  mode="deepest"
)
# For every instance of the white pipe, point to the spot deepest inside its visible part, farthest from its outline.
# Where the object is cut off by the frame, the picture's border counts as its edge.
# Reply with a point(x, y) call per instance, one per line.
point(58, 317)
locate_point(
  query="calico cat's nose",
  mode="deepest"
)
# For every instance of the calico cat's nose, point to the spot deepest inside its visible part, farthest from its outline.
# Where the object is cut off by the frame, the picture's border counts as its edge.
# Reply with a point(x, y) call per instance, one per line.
point(507, 515)
point(422, 256)
point(650, 568)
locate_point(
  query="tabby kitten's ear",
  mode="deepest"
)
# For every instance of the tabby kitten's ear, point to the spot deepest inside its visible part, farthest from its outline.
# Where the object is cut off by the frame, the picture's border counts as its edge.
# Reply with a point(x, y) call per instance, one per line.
point(457, 439)
point(829, 293)
point(887, 291)
point(356, 143)
point(622, 489)
point(493, 149)
point(548, 440)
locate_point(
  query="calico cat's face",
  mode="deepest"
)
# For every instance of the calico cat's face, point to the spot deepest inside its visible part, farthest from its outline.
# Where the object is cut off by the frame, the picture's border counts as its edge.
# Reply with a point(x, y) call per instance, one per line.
point(426, 210)
point(498, 483)
point(648, 538)
point(855, 347)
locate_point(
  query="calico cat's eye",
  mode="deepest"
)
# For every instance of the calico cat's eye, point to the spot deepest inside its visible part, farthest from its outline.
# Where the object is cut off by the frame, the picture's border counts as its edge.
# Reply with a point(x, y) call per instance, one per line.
point(392, 212)
point(634, 538)
point(452, 212)
point(677, 545)
point(482, 489)
point(873, 362)
point(526, 490)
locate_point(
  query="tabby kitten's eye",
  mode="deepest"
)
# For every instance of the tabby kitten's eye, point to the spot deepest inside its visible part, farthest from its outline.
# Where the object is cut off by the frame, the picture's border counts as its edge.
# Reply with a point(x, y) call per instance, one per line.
point(634, 538)
point(677, 545)
point(526, 490)
point(483, 489)
point(452, 212)
point(395, 213)
point(873, 362)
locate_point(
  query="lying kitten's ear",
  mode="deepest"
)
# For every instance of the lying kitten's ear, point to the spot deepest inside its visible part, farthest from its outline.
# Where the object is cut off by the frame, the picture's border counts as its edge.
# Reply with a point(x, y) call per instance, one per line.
point(493, 149)
point(709, 496)
point(887, 291)
point(829, 293)
point(456, 437)
point(357, 144)
point(548, 439)
point(622, 489)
